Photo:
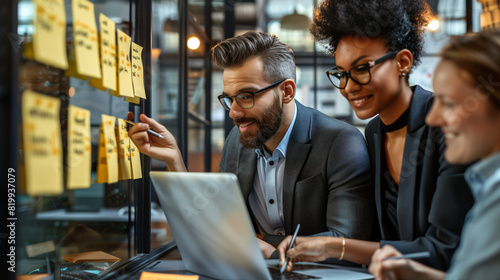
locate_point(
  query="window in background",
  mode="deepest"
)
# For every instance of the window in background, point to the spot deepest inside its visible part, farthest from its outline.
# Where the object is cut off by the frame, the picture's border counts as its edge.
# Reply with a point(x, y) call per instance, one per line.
point(96, 219)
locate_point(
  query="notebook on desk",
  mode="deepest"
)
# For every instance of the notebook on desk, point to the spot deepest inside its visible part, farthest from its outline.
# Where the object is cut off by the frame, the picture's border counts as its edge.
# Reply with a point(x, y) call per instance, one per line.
point(212, 229)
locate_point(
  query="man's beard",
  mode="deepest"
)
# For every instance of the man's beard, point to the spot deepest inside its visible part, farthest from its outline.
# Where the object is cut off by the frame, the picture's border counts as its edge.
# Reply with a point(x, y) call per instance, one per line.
point(268, 126)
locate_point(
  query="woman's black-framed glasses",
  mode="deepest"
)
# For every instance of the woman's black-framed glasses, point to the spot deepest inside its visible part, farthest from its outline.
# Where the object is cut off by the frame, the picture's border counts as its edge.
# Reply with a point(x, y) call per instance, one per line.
point(245, 100)
point(360, 74)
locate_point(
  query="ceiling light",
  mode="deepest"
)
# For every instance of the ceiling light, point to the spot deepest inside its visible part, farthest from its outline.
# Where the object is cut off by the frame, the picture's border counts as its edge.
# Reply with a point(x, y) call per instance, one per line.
point(193, 43)
point(295, 21)
point(433, 25)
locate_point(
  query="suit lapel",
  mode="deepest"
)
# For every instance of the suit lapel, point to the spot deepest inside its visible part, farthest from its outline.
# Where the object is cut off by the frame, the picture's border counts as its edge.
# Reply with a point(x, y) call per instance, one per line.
point(294, 162)
point(246, 170)
point(411, 164)
point(409, 180)
point(296, 155)
point(378, 143)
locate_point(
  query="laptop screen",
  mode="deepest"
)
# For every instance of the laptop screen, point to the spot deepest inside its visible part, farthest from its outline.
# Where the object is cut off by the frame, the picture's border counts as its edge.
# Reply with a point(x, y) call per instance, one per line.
point(210, 224)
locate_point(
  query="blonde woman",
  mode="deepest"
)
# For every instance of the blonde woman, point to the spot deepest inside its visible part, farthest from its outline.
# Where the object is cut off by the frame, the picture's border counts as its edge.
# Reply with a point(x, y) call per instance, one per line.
point(467, 109)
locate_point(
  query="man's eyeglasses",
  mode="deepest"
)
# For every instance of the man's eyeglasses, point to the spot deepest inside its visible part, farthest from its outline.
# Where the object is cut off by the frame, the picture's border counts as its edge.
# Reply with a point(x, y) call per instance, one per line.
point(360, 74)
point(245, 100)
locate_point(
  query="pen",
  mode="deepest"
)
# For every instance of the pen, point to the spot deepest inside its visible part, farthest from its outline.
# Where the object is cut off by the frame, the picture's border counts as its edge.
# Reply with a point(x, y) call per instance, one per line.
point(414, 256)
point(149, 130)
point(282, 269)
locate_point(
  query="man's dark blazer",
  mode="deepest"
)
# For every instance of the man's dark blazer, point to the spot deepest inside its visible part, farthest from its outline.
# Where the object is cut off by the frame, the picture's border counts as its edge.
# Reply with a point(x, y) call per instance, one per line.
point(327, 185)
point(433, 196)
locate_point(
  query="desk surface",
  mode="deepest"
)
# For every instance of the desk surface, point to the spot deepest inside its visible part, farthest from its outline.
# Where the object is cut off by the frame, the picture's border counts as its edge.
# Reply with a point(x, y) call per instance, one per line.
point(172, 263)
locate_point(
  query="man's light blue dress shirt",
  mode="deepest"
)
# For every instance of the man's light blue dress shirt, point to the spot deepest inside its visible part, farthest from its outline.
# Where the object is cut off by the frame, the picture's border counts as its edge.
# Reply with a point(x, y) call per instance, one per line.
point(266, 198)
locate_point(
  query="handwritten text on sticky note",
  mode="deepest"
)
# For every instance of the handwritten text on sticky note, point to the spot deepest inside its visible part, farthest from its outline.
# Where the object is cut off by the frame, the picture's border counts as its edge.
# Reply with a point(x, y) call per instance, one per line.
point(85, 39)
point(49, 40)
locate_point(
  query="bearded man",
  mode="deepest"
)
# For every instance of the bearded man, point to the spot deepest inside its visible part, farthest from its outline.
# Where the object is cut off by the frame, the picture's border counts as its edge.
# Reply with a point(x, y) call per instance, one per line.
point(294, 164)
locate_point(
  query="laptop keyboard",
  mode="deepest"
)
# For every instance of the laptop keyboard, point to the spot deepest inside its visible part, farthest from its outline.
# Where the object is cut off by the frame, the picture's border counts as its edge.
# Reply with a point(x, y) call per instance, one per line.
point(276, 275)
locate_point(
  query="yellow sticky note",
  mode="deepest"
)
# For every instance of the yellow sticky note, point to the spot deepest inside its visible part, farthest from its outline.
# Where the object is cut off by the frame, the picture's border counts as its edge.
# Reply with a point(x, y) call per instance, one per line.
point(72, 71)
point(125, 171)
point(135, 159)
point(135, 100)
point(42, 144)
point(107, 55)
point(97, 83)
point(28, 51)
point(110, 151)
point(49, 40)
point(108, 52)
point(137, 71)
point(163, 276)
point(79, 148)
point(124, 72)
point(102, 162)
point(114, 93)
point(85, 39)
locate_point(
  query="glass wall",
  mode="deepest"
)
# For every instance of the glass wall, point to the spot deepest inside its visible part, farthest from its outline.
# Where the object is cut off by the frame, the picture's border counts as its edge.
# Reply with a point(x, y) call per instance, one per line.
point(202, 109)
point(88, 229)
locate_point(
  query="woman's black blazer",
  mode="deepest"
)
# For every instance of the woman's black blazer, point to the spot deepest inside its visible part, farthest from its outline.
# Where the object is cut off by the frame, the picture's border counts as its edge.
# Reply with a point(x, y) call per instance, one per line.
point(433, 196)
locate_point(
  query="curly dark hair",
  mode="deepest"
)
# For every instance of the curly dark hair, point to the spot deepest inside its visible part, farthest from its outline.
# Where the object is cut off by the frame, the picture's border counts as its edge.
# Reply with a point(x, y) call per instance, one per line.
point(401, 22)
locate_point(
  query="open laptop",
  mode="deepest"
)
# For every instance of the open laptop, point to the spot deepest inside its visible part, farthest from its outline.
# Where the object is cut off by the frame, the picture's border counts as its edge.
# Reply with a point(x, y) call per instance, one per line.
point(212, 229)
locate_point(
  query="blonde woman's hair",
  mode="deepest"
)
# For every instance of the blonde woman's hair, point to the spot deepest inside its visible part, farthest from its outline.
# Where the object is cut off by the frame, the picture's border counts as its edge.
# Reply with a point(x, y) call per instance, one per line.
point(479, 55)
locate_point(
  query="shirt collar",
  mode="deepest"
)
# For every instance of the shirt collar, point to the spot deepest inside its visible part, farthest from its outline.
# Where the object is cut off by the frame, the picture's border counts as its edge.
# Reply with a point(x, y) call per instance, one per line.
point(478, 173)
point(283, 145)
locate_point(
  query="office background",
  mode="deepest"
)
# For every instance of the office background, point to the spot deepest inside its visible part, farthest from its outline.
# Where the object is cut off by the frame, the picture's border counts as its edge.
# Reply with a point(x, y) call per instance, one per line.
point(123, 219)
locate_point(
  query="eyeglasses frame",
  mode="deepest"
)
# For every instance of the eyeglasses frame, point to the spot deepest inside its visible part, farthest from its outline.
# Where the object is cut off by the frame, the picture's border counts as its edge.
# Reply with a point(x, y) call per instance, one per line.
point(222, 96)
point(370, 65)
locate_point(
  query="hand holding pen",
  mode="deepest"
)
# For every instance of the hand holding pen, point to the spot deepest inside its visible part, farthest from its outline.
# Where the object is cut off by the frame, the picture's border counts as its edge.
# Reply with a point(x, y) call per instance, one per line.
point(387, 261)
point(149, 130)
point(154, 140)
point(413, 256)
point(282, 269)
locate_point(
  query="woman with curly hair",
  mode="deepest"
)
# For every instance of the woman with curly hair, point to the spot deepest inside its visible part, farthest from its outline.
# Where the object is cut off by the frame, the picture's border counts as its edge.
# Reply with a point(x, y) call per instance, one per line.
point(421, 199)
